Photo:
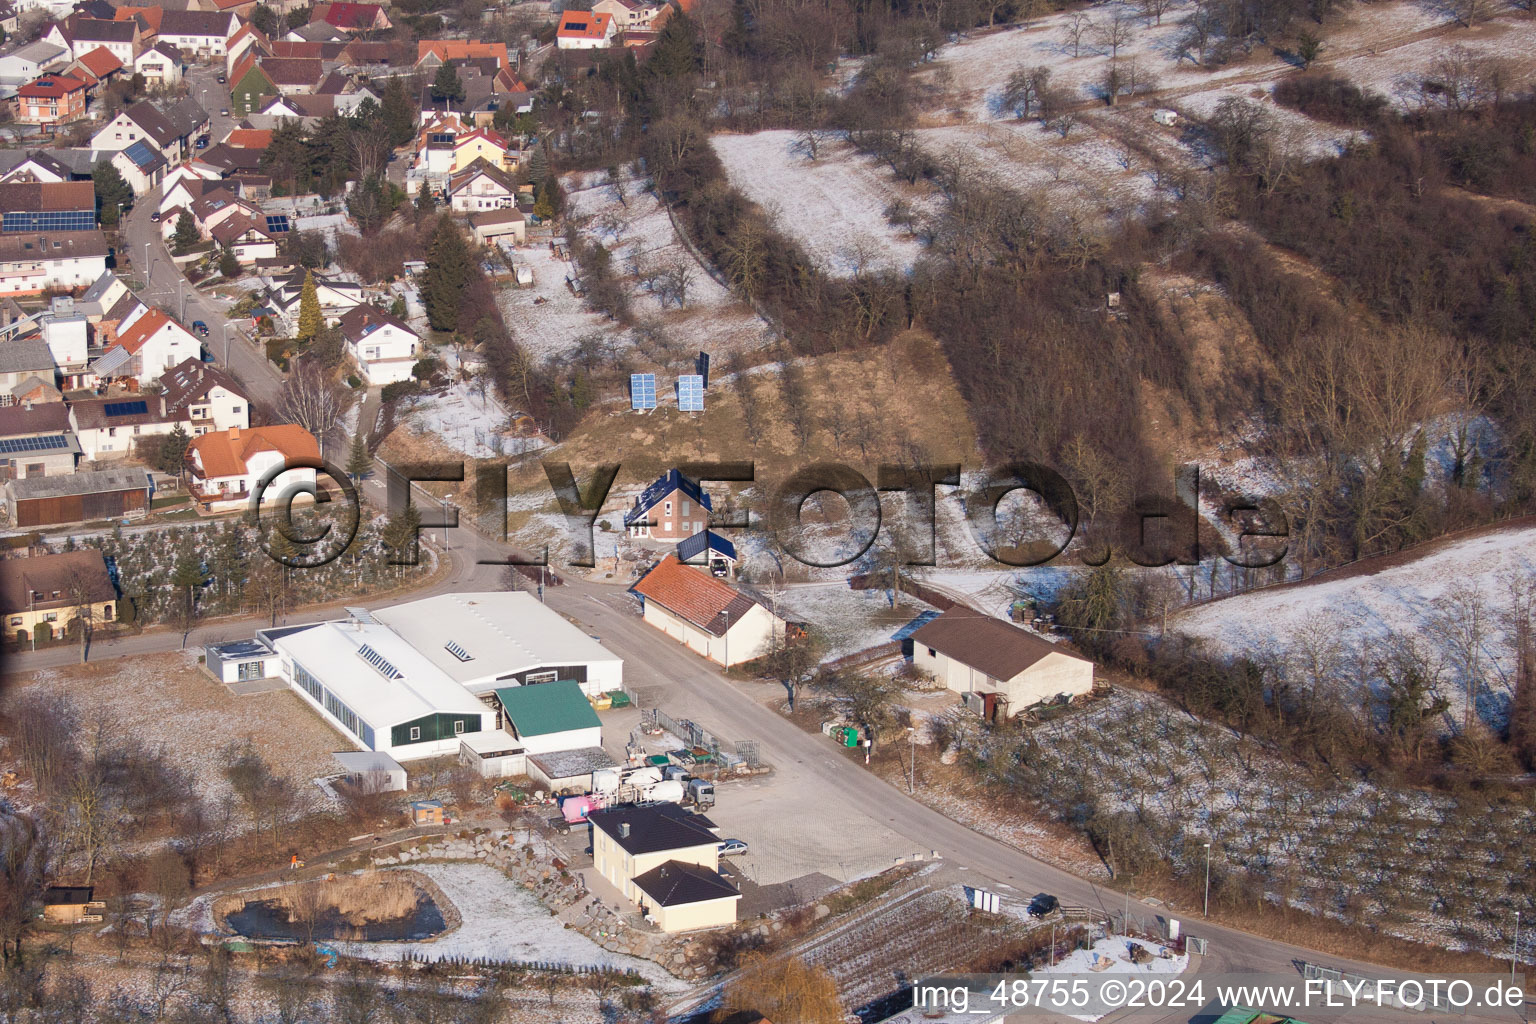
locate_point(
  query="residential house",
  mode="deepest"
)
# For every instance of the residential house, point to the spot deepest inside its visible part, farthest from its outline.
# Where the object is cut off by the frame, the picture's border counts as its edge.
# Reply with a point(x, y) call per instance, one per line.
point(146, 347)
point(80, 35)
point(205, 397)
point(628, 15)
point(249, 138)
point(142, 122)
point(384, 348)
point(219, 206)
point(58, 261)
point(204, 34)
point(226, 466)
point(337, 297)
point(675, 853)
point(670, 508)
point(481, 187)
point(111, 427)
point(51, 99)
point(160, 65)
point(247, 38)
point(35, 440)
point(315, 32)
point(498, 226)
point(188, 120)
point(483, 144)
point(10, 19)
point(149, 15)
point(970, 652)
point(26, 63)
point(71, 904)
point(708, 615)
point(223, 161)
point(351, 18)
point(101, 296)
point(184, 185)
point(247, 238)
point(39, 166)
point(249, 84)
point(52, 591)
point(244, 8)
point(141, 166)
point(98, 66)
point(67, 335)
point(584, 30)
point(33, 206)
point(293, 76)
point(80, 497)
point(433, 53)
point(22, 359)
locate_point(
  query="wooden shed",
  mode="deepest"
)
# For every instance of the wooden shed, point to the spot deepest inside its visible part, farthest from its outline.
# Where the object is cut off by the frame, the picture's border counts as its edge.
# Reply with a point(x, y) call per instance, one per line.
point(78, 498)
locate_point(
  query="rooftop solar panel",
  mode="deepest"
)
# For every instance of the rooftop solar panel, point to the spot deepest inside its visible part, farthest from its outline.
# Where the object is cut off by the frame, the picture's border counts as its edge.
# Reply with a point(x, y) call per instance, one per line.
point(690, 392)
point(126, 408)
point(32, 444)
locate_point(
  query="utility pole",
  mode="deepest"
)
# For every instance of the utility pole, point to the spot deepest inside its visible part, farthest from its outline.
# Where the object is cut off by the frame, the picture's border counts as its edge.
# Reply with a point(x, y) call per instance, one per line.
point(1514, 949)
point(1207, 911)
point(912, 763)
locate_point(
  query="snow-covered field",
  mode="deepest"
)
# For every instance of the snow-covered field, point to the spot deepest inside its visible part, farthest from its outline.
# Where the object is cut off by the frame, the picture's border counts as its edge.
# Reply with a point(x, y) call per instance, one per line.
point(464, 420)
point(1110, 956)
point(1411, 600)
point(834, 206)
point(850, 620)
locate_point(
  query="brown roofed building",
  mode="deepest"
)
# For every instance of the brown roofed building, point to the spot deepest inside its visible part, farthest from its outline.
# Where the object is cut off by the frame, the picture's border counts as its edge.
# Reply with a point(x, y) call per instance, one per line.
point(970, 652)
point(710, 616)
point(225, 466)
point(51, 99)
point(52, 590)
point(47, 206)
point(294, 75)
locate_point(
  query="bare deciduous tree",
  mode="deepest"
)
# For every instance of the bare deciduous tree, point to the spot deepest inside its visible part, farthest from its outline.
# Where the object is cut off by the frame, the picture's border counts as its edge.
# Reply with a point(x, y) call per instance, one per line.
point(1077, 28)
point(312, 398)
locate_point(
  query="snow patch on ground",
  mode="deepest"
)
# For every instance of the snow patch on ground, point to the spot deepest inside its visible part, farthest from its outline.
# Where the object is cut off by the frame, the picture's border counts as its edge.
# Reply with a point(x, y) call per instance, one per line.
point(834, 206)
point(465, 420)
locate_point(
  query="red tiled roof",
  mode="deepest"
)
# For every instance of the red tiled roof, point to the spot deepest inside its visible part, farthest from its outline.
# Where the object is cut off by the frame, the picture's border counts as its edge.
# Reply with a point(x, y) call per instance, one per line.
point(461, 49)
point(694, 595)
point(583, 25)
point(50, 87)
point(250, 138)
point(134, 337)
point(347, 15)
point(226, 452)
point(100, 62)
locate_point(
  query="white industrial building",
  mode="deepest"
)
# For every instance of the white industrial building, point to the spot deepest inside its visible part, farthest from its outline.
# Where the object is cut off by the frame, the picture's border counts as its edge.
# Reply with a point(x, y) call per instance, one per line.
point(421, 679)
point(489, 640)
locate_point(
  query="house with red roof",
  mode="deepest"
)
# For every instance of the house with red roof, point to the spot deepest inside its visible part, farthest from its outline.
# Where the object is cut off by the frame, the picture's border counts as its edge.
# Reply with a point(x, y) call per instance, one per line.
point(433, 53)
point(706, 614)
point(95, 68)
point(51, 99)
point(224, 467)
point(351, 17)
point(148, 343)
point(585, 30)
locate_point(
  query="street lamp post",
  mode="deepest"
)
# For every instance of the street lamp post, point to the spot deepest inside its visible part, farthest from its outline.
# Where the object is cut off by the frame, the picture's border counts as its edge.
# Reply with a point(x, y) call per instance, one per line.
point(146, 264)
point(1207, 911)
point(181, 298)
point(1514, 949)
point(912, 760)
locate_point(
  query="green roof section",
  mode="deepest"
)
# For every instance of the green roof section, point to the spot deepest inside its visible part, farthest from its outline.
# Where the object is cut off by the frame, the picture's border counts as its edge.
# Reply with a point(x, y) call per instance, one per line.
point(1243, 1015)
point(543, 708)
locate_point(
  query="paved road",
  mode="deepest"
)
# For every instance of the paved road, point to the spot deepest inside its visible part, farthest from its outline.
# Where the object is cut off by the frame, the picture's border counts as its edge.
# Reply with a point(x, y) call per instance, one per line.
point(165, 285)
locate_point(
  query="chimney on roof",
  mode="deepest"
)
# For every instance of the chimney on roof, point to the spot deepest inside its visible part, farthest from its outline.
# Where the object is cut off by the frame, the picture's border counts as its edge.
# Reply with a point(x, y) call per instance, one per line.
point(234, 433)
point(623, 830)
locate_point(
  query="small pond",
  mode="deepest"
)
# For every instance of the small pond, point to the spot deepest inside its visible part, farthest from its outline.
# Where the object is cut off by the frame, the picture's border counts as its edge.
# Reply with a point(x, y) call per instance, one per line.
point(276, 919)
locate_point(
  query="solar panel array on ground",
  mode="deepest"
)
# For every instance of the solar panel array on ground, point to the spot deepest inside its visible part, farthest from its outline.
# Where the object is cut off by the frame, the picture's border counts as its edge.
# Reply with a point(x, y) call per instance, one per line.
point(642, 391)
point(690, 392)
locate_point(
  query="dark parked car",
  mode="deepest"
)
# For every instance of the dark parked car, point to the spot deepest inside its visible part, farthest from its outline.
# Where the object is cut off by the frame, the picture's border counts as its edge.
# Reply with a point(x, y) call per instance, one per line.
point(201, 328)
point(1044, 905)
point(202, 142)
point(155, 217)
point(223, 79)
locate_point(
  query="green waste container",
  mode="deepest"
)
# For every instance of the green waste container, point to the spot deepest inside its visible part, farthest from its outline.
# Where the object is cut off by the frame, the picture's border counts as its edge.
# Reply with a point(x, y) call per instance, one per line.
point(619, 697)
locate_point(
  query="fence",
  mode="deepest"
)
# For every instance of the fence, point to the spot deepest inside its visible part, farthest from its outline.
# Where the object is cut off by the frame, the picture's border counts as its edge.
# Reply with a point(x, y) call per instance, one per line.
point(496, 963)
point(1434, 996)
point(695, 735)
point(943, 602)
